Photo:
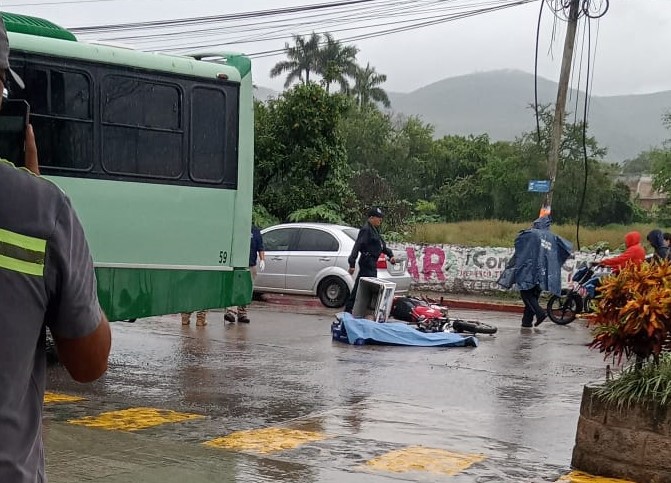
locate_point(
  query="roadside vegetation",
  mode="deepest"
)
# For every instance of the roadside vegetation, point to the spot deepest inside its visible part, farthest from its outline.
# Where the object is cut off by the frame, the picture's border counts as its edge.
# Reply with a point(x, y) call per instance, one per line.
point(495, 233)
point(328, 148)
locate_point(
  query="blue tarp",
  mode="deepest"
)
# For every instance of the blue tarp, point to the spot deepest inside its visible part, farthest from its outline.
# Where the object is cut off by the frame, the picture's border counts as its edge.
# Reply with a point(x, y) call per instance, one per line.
point(362, 331)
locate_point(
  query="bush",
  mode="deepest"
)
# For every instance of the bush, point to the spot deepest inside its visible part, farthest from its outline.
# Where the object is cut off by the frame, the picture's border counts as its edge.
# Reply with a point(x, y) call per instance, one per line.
point(633, 322)
point(634, 313)
point(650, 384)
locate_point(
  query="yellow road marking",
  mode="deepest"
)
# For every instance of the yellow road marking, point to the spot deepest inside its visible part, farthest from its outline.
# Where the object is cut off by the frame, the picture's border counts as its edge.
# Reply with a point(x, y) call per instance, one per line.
point(133, 419)
point(54, 398)
point(580, 477)
point(418, 458)
point(268, 440)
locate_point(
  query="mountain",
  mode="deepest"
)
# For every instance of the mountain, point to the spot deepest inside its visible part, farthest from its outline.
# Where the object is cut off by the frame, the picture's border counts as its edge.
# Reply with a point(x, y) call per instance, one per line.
point(497, 103)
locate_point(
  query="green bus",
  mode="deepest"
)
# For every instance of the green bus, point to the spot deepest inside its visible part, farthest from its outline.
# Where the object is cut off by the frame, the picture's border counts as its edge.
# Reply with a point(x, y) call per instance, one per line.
point(156, 154)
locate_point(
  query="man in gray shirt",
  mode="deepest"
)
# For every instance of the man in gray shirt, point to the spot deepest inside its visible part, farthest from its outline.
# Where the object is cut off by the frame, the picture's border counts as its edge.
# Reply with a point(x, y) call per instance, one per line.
point(46, 279)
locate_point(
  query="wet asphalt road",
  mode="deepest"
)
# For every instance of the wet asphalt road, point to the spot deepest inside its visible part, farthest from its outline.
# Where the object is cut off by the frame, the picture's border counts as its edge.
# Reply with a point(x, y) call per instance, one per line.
point(509, 407)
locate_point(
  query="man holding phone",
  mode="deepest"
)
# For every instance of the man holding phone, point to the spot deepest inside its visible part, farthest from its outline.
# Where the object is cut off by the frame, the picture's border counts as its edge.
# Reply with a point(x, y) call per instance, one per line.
point(46, 279)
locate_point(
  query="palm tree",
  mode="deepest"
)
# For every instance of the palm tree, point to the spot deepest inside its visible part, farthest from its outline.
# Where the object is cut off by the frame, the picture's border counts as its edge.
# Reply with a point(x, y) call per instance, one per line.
point(336, 63)
point(303, 59)
point(366, 90)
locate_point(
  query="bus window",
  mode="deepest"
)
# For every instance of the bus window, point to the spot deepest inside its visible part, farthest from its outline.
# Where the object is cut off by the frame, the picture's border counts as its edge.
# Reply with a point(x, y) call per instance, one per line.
point(70, 95)
point(141, 128)
point(37, 90)
point(208, 135)
point(60, 105)
point(136, 102)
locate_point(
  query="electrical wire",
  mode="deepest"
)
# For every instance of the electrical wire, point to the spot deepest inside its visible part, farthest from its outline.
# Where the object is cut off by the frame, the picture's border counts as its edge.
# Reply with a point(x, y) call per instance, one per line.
point(589, 10)
point(258, 31)
point(584, 134)
point(278, 35)
point(538, 34)
point(34, 4)
point(368, 35)
point(215, 18)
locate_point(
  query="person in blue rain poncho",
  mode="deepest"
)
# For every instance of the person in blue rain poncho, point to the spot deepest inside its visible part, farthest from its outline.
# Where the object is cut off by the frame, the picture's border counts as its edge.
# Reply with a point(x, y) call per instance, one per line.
point(536, 266)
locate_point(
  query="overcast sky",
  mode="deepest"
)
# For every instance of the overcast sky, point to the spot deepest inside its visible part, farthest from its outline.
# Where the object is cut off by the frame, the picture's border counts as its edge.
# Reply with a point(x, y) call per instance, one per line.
point(632, 56)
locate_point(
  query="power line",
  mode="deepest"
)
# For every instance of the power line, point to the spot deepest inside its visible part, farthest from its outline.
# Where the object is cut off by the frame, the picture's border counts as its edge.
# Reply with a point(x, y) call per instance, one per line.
point(401, 25)
point(263, 36)
point(53, 3)
point(352, 14)
point(214, 18)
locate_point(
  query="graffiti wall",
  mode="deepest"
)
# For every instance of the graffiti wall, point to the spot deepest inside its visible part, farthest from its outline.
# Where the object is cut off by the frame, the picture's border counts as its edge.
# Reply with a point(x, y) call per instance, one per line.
point(456, 269)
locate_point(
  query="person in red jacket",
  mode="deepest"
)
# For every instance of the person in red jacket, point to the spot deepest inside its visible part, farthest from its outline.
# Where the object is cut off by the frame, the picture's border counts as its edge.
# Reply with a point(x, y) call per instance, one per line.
point(635, 253)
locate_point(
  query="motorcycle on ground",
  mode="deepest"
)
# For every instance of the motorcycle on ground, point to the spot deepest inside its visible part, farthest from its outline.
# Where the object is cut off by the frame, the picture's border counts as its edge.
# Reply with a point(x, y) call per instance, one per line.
point(429, 315)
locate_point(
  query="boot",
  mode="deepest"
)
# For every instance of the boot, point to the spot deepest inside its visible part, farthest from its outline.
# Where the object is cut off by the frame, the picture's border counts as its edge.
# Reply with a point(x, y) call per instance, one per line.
point(242, 315)
point(186, 318)
point(229, 316)
point(200, 319)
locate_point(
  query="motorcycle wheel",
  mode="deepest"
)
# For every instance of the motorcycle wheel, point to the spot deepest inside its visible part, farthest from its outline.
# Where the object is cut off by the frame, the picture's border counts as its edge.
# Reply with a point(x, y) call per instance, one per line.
point(564, 309)
point(473, 327)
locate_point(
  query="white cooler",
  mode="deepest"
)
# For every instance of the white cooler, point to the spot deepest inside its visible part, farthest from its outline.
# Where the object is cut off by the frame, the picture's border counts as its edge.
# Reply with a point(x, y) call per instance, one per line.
point(374, 299)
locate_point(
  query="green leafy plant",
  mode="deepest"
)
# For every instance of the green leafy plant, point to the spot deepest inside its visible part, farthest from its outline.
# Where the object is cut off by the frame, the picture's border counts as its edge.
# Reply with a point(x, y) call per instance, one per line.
point(633, 322)
point(325, 213)
point(634, 313)
point(648, 385)
point(262, 218)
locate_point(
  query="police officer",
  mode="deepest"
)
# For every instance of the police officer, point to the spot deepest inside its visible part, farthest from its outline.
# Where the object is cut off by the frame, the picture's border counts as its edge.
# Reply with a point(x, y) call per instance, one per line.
point(370, 245)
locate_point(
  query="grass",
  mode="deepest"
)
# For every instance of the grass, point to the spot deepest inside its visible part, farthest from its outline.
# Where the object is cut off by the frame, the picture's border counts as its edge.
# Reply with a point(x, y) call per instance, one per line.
point(495, 233)
point(650, 385)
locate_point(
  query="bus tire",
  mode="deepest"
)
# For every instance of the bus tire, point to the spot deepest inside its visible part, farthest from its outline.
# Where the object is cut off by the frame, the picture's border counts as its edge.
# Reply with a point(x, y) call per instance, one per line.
point(333, 292)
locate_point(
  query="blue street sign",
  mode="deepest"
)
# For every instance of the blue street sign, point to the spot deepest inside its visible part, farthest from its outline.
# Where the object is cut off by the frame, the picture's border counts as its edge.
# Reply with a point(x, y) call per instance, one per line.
point(539, 185)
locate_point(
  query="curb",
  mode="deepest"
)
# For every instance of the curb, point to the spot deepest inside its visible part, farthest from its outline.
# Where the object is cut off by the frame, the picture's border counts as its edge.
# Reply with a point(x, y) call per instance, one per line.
point(291, 300)
point(313, 302)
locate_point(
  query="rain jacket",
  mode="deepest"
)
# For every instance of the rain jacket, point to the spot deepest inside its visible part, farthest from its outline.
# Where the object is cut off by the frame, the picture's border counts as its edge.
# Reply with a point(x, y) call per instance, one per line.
point(656, 239)
point(539, 256)
point(635, 253)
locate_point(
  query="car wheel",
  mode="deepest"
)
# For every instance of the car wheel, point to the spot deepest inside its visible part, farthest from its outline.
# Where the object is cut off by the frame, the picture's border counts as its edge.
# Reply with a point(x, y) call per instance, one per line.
point(333, 292)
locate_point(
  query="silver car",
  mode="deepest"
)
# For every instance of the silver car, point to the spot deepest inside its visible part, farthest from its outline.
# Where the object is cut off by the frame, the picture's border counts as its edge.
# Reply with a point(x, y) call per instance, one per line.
point(311, 258)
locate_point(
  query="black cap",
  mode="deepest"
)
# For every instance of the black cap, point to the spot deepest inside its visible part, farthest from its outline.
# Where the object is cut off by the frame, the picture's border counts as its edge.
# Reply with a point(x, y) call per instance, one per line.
point(375, 212)
point(4, 55)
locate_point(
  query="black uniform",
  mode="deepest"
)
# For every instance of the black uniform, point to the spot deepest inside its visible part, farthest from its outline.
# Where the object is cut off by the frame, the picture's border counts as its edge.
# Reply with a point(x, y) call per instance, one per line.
point(370, 245)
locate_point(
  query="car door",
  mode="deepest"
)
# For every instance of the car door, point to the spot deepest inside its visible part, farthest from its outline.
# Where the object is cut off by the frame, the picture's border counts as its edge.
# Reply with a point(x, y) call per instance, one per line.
point(315, 249)
point(276, 243)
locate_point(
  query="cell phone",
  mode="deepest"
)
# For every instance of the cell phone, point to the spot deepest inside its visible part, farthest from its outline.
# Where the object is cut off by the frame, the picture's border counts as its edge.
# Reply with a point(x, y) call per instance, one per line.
point(14, 115)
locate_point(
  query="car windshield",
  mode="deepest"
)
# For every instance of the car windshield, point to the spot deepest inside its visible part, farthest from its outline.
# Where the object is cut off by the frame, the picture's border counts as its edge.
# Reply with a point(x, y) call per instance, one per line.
point(351, 232)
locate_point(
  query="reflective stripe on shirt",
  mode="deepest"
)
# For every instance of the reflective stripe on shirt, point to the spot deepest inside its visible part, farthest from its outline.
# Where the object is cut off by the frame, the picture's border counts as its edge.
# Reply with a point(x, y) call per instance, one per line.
point(21, 253)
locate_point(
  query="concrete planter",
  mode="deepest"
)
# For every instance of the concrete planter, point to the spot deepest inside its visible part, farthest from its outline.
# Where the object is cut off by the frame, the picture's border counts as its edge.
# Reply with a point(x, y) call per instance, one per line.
point(633, 443)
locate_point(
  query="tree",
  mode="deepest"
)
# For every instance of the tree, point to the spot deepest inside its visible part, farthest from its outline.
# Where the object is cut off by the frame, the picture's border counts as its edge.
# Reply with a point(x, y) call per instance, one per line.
point(368, 134)
point(661, 163)
point(640, 164)
point(303, 58)
point(336, 63)
point(366, 88)
point(300, 160)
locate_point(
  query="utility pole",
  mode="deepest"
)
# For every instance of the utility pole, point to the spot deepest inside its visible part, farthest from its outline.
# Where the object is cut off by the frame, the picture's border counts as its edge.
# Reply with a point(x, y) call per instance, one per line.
point(560, 106)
